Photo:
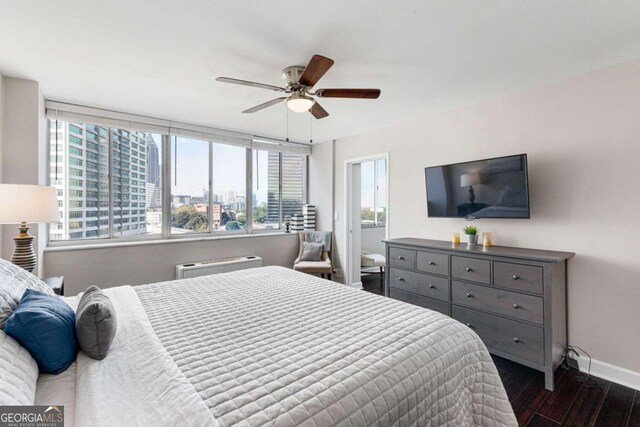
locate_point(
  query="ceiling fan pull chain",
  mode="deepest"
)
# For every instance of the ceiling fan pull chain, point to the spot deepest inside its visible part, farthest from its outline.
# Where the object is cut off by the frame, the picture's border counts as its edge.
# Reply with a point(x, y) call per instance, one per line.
point(287, 125)
point(310, 130)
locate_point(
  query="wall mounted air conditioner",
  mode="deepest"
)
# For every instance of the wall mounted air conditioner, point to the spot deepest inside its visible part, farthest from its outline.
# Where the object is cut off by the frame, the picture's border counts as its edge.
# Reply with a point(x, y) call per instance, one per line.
point(204, 268)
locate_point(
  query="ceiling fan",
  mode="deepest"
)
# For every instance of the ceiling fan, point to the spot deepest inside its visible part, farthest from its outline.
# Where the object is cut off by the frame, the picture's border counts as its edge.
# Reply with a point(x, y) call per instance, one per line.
point(298, 83)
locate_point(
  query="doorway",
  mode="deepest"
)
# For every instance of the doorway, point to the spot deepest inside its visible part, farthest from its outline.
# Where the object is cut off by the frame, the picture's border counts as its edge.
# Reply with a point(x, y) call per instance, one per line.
point(367, 216)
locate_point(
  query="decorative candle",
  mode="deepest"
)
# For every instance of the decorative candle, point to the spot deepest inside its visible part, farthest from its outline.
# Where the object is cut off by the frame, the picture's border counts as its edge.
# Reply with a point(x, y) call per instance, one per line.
point(486, 239)
point(456, 238)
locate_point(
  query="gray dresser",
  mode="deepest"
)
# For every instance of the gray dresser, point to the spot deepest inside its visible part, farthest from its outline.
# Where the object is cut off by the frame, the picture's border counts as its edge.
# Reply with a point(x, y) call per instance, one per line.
point(513, 298)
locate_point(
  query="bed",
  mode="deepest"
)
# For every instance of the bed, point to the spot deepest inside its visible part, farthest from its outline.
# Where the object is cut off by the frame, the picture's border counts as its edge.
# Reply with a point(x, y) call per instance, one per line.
point(274, 347)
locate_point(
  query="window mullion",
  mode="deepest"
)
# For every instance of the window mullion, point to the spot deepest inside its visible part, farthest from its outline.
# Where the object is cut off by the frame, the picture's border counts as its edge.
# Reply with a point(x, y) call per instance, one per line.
point(209, 196)
point(248, 215)
point(166, 186)
point(280, 191)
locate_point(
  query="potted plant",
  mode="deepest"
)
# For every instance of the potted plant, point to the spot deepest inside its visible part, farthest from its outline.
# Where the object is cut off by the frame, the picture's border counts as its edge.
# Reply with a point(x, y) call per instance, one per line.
point(472, 234)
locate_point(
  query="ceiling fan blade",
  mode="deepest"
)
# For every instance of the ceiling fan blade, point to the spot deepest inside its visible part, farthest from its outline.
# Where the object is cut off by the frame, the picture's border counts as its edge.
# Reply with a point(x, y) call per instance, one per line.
point(318, 112)
point(314, 71)
point(348, 93)
point(265, 105)
point(252, 84)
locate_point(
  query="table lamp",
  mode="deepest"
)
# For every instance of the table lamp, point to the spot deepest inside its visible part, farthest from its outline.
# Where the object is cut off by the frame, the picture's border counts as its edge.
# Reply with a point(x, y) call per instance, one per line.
point(469, 180)
point(22, 204)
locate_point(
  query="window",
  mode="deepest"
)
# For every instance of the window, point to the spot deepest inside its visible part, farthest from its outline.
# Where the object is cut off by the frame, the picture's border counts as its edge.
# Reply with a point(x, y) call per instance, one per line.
point(293, 170)
point(88, 192)
point(229, 201)
point(266, 190)
point(189, 186)
point(373, 193)
point(109, 183)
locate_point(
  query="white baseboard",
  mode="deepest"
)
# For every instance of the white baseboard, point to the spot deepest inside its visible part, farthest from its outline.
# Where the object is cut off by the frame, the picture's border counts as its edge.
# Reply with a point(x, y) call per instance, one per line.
point(610, 372)
point(357, 285)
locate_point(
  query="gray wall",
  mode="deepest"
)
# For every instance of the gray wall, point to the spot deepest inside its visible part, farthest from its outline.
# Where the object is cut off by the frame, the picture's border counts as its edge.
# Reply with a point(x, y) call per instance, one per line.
point(134, 264)
point(582, 138)
point(321, 184)
point(23, 157)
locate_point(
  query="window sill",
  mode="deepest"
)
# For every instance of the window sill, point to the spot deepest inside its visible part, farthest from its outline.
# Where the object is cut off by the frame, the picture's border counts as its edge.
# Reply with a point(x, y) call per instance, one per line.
point(158, 241)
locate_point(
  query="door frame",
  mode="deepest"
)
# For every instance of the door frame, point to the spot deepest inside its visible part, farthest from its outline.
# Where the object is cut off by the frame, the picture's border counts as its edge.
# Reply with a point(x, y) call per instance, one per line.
point(349, 270)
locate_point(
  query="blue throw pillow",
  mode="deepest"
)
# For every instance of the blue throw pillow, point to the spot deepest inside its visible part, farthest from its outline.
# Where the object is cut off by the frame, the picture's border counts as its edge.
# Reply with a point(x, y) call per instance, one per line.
point(45, 325)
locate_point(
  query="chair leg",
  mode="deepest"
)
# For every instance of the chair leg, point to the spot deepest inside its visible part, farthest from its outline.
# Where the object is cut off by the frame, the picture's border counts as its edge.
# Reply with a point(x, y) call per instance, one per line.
point(329, 276)
point(322, 275)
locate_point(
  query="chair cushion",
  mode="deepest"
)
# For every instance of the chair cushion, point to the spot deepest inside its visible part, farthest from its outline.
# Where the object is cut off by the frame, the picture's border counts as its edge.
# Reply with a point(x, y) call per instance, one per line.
point(45, 325)
point(372, 260)
point(311, 251)
point(96, 323)
point(313, 266)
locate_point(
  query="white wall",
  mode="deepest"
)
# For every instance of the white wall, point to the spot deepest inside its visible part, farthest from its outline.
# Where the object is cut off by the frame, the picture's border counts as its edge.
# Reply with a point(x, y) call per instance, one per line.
point(134, 264)
point(583, 140)
point(321, 184)
point(1, 127)
point(371, 238)
point(23, 158)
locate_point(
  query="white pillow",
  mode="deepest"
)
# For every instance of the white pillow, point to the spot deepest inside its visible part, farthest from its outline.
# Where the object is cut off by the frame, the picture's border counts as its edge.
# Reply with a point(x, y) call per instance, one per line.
point(18, 373)
point(14, 281)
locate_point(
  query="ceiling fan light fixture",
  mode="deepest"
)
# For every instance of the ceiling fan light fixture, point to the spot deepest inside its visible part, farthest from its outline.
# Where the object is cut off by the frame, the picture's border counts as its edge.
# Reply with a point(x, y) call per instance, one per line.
point(300, 103)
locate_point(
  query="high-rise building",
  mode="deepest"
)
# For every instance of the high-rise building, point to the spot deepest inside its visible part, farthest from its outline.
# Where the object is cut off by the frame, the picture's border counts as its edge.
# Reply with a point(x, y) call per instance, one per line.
point(229, 196)
point(154, 176)
point(292, 191)
point(80, 171)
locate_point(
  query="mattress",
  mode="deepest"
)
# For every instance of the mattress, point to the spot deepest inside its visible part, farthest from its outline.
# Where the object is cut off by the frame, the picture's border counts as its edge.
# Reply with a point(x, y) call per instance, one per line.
point(274, 347)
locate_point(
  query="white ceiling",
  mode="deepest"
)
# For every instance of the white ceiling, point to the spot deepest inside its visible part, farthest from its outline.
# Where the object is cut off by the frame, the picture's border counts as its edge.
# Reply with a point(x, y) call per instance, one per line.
point(160, 57)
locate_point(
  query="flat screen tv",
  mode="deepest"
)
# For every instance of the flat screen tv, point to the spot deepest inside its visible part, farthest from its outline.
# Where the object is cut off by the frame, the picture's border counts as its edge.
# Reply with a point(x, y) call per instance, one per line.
point(491, 188)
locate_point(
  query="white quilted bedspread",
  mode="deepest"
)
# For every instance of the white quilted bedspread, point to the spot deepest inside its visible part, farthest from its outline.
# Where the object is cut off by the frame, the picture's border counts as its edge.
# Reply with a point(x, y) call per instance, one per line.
point(274, 347)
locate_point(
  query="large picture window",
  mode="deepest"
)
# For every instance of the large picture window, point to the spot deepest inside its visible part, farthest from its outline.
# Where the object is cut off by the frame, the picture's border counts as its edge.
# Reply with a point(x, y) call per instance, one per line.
point(103, 181)
point(109, 183)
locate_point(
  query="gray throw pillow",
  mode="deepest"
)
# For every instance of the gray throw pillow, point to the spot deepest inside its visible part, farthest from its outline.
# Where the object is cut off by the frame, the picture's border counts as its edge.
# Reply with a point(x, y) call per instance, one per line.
point(311, 251)
point(96, 323)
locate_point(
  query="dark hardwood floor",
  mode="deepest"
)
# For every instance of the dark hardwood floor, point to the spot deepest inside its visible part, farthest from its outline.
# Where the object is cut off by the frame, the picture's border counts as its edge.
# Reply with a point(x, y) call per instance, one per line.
point(578, 400)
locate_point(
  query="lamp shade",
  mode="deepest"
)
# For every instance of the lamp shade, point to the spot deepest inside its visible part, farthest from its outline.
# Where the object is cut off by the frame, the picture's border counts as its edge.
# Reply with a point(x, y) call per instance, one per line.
point(467, 179)
point(28, 203)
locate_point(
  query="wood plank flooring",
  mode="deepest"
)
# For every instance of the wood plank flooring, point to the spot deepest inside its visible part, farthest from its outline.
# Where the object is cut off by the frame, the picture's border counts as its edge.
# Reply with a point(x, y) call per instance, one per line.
point(576, 401)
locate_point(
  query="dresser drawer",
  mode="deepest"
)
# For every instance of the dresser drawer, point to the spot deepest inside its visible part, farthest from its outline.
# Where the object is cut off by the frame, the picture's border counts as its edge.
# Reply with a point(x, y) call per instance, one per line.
point(418, 283)
point(433, 262)
point(520, 277)
point(518, 306)
point(508, 336)
point(474, 269)
point(430, 303)
point(404, 258)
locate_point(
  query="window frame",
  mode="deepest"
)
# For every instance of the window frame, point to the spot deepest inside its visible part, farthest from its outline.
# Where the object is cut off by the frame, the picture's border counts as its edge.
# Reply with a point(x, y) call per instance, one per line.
point(166, 194)
point(376, 202)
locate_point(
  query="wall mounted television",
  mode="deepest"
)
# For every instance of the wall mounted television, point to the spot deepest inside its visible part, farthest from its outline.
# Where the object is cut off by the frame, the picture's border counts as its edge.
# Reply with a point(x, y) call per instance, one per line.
point(490, 188)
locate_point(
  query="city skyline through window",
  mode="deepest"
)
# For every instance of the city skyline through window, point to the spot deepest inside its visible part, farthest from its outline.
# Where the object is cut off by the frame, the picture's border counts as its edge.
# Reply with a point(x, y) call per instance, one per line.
point(110, 185)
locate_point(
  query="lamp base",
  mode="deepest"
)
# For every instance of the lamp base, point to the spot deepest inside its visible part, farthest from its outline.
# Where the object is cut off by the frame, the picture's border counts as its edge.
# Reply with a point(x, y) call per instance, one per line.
point(24, 256)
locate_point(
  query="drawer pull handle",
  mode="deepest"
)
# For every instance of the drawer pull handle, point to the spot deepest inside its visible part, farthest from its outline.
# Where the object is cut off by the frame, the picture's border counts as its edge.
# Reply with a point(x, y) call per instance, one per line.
point(516, 306)
point(469, 269)
point(431, 287)
point(432, 263)
point(515, 277)
point(401, 279)
point(469, 325)
point(469, 295)
point(516, 340)
point(401, 258)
